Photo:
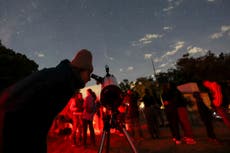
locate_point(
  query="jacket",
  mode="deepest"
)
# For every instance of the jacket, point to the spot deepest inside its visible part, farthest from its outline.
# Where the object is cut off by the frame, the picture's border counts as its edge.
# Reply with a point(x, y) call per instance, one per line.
point(27, 108)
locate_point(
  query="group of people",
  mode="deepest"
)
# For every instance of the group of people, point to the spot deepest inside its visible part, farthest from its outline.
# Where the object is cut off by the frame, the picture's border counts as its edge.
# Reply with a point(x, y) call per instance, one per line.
point(177, 115)
point(29, 107)
point(83, 111)
point(175, 111)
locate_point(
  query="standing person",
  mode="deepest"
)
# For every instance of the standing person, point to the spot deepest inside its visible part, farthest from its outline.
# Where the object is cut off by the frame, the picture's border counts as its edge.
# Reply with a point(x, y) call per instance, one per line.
point(205, 115)
point(76, 107)
point(171, 112)
point(159, 109)
point(133, 119)
point(88, 114)
point(109, 79)
point(40, 96)
point(185, 123)
point(217, 100)
point(178, 102)
point(150, 115)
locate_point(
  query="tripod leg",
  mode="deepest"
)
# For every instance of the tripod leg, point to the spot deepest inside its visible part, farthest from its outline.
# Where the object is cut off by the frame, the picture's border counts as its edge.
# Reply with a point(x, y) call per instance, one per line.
point(108, 142)
point(102, 142)
point(129, 140)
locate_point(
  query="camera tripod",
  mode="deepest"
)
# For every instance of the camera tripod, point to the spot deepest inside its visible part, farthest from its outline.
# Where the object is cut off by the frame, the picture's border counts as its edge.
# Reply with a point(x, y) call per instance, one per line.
point(110, 121)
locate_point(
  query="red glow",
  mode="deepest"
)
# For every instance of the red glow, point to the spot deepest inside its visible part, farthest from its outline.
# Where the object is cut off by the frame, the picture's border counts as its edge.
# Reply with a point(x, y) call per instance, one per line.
point(216, 92)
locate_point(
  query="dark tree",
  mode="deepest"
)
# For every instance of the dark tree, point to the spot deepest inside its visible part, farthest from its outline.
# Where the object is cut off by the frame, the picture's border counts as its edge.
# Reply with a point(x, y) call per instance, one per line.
point(14, 66)
point(125, 85)
point(190, 69)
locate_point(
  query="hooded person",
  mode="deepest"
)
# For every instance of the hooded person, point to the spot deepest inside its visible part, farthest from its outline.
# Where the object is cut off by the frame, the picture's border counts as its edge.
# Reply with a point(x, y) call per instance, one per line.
point(28, 108)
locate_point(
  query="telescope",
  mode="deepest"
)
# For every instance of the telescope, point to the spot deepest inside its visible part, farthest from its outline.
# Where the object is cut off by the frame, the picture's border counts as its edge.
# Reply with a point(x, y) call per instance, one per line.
point(97, 78)
point(111, 94)
point(111, 98)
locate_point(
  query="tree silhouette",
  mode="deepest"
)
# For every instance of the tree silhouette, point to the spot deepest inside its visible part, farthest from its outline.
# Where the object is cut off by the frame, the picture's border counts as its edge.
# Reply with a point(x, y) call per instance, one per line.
point(190, 69)
point(14, 66)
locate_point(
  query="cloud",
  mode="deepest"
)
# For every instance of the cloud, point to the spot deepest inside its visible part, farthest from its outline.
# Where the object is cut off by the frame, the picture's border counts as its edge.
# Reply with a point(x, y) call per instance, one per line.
point(211, 0)
point(179, 45)
point(167, 28)
point(225, 29)
point(163, 65)
point(216, 35)
point(147, 56)
point(39, 54)
point(163, 60)
point(159, 59)
point(168, 9)
point(172, 4)
point(176, 48)
point(196, 50)
point(130, 68)
point(148, 38)
point(158, 70)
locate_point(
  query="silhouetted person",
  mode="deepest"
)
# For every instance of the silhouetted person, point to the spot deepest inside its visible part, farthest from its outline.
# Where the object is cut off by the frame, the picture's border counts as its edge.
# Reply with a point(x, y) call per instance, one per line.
point(185, 123)
point(171, 112)
point(159, 109)
point(151, 115)
point(133, 118)
point(174, 101)
point(217, 100)
point(76, 107)
point(109, 79)
point(205, 115)
point(27, 108)
point(88, 115)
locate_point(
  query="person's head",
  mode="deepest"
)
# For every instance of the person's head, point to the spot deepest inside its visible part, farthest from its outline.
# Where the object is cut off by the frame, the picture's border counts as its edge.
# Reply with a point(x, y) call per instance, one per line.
point(106, 68)
point(79, 95)
point(89, 91)
point(83, 62)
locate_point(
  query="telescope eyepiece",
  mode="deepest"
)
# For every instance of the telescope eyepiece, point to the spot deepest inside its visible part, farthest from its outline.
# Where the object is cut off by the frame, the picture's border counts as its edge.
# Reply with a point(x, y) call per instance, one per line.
point(97, 78)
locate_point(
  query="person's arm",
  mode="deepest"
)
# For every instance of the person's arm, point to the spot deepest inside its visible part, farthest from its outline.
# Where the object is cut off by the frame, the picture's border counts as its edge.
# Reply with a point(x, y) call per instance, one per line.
point(72, 105)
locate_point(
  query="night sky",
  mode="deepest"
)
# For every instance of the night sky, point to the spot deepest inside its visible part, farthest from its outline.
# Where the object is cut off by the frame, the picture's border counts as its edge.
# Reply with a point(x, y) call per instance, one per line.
point(124, 34)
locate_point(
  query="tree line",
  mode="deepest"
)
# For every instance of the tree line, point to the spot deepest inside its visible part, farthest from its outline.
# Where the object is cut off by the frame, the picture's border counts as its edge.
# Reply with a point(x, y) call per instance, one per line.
point(15, 66)
point(189, 69)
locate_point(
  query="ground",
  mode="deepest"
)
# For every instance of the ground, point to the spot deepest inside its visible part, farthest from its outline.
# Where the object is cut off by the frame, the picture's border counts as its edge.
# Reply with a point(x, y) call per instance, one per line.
point(119, 144)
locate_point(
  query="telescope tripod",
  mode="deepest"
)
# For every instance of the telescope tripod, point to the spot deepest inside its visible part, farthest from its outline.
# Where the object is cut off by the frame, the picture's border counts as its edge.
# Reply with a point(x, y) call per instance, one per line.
point(110, 122)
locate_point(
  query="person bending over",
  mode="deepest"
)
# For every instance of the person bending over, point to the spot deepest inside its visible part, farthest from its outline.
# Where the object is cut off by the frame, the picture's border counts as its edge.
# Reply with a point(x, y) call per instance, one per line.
point(28, 108)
